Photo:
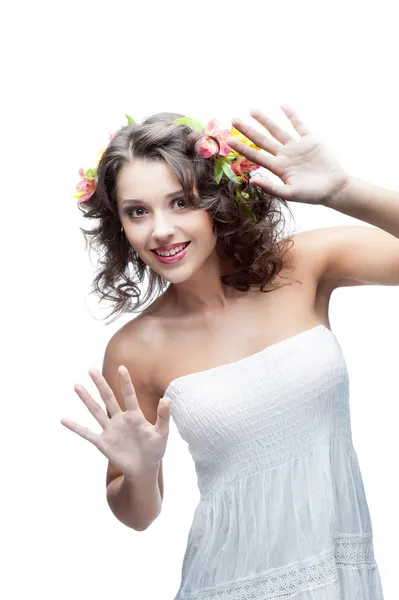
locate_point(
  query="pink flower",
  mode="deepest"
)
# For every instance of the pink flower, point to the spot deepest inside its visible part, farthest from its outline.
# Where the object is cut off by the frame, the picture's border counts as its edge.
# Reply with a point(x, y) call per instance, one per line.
point(207, 147)
point(86, 186)
point(243, 165)
point(221, 135)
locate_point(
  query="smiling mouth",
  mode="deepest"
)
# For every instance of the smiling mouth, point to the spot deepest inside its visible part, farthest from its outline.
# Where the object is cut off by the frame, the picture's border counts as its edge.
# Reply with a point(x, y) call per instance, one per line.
point(173, 251)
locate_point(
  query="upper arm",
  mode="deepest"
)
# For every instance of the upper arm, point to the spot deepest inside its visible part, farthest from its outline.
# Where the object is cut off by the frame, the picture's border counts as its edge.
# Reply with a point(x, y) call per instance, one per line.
point(351, 255)
point(119, 351)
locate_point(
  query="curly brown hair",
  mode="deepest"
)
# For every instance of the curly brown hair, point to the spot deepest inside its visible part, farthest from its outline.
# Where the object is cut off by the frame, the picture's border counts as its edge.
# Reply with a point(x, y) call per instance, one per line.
point(249, 244)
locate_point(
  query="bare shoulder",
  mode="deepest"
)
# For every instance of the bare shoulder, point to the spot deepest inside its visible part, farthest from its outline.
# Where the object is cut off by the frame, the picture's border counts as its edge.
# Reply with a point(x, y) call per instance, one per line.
point(308, 255)
point(299, 258)
point(337, 256)
point(132, 345)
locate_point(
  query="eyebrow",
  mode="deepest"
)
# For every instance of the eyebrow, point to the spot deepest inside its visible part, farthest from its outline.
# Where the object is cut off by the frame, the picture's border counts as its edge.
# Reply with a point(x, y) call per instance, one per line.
point(130, 201)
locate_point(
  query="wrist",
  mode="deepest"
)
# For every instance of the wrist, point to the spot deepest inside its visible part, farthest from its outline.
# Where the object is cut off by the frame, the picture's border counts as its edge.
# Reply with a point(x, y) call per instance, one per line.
point(142, 476)
point(341, 195)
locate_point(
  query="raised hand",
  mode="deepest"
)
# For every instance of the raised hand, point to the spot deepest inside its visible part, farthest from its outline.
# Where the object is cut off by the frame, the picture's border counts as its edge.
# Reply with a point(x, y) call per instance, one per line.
point(308, 172)
point(128, 440)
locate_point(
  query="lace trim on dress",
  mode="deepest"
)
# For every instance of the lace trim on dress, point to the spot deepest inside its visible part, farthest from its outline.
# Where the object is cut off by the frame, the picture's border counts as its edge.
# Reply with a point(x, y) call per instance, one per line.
point(354, 551)
point(351, 551)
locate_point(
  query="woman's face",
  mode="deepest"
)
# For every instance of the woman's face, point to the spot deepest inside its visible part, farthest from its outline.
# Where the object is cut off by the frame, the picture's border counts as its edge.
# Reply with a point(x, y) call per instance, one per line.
point(157, 221)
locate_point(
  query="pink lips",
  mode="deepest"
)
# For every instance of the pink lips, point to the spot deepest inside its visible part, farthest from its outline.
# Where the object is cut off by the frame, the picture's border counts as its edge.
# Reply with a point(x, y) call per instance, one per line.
point(172, 259)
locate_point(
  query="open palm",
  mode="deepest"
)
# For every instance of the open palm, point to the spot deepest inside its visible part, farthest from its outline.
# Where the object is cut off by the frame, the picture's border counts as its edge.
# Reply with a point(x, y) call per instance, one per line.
point(308, 171)
point(128, 440)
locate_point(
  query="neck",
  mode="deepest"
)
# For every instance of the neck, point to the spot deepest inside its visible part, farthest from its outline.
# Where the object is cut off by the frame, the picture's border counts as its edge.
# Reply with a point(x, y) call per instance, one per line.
point(204, 291)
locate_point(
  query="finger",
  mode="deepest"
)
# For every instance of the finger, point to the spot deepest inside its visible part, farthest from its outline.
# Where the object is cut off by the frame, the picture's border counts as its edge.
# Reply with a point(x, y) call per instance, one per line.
point(84, 432)
point(279, 190)
point(105, 391)
point(259, 157)
point(277, 132)
point(94, 408)
point(163, 416)
point(128, 391)
point(299, 125)
point(258, 138)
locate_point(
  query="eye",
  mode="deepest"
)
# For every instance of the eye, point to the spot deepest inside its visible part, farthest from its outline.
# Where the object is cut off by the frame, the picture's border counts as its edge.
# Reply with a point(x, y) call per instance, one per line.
point(181, 200)
point(135, 212)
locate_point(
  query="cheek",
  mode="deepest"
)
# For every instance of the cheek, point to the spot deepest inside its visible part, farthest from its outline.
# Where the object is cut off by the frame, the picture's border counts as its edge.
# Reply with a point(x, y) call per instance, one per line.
point(202, 226)
point(136, 238)
point(136, 233)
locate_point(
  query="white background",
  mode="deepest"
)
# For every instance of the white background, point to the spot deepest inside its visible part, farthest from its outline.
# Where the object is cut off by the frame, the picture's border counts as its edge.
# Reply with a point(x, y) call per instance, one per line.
point(69, 73)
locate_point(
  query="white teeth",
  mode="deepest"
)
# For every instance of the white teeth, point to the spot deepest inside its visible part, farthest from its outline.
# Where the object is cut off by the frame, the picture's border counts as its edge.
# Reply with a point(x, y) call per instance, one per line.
point(171, 252)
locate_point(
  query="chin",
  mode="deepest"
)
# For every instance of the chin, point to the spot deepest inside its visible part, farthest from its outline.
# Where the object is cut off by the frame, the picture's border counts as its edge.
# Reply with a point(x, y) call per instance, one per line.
point(177, 277)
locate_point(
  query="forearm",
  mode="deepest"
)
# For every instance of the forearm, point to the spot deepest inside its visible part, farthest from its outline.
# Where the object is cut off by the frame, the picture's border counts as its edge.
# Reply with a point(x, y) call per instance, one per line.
point(370, 203)
point(135, 502)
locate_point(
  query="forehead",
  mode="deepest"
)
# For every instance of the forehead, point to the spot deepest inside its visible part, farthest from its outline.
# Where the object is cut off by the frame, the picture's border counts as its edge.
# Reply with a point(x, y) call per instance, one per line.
point(146, 180)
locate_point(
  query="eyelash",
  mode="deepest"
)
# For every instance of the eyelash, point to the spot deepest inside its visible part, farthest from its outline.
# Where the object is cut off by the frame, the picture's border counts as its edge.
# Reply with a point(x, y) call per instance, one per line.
point(131, 210)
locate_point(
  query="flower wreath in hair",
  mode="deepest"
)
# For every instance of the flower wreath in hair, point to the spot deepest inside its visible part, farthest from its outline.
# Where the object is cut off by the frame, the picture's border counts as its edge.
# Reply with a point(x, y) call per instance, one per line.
point(227, 162)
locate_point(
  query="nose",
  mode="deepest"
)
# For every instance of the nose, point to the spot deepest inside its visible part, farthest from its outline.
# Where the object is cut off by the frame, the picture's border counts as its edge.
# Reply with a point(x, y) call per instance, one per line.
point(163, 227)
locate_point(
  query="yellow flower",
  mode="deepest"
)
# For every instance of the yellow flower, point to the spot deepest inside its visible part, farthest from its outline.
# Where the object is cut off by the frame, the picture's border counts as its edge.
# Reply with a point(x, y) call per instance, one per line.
point(242, 138)
point(99, 155)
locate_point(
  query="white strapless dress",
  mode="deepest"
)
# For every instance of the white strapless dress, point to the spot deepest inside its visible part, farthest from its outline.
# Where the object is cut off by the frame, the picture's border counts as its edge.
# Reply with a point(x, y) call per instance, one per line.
point(282, 512)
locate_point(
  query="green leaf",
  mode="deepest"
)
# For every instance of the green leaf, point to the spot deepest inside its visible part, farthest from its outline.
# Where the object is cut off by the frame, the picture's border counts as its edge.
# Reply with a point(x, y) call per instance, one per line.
point(130, 121)
point(192, 123)
point(230, 157)
point(241, 198)
point(228, 171)
point(90, 173)
point(218, 171)
point(238, 196)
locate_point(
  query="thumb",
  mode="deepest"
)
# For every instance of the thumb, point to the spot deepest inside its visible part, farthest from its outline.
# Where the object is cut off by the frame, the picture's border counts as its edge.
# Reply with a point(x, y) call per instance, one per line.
point(163, 416)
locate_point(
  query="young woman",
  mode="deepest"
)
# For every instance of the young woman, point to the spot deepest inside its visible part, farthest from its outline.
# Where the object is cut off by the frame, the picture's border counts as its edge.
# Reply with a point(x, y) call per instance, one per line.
point(234, 340)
